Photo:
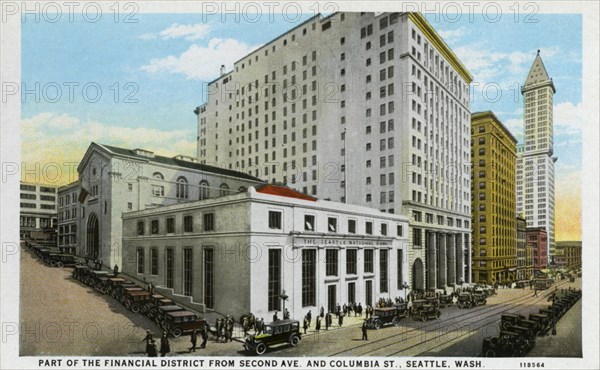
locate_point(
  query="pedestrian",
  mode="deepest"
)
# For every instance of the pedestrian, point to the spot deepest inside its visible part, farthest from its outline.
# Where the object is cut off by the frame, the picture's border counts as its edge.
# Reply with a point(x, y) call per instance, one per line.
point(338, 309)
point(327, 321)
point(204, 334)
point(151, 288)
point(230, 324)
point(152, 350)
point(116, 270)
point(194, 340)
point(245, 326)
point(535, 292)
point(309, 317)
point(340, 320)
point(360, 309)
point(148, 338)
point(165, 346)
point(554, 326)
point(275, 318)
point(364, 330)
point(322, 312)
point(305, 324)
point(87, 260)
point(218, 329)
point(99, 264)
point(318, 324)
point(286, 314)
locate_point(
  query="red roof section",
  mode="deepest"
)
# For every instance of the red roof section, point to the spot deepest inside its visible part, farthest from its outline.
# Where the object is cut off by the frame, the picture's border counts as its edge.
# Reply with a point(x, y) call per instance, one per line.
point(284, 191)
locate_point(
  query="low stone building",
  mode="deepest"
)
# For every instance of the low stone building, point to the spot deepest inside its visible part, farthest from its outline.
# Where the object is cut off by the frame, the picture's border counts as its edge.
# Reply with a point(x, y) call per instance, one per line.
point(240, 253)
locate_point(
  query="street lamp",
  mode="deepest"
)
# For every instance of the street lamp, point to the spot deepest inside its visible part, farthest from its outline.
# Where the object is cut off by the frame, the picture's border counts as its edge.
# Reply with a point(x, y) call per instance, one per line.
point(284, 298)
point(405, 286)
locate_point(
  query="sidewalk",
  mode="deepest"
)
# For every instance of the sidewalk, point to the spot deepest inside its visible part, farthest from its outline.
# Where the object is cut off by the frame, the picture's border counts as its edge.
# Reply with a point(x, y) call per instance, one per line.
point(567, 342)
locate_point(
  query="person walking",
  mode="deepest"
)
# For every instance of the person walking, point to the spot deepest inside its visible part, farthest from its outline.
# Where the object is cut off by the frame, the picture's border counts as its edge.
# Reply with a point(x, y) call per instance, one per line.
point(340, 320)
point(535, 292)
point(309, 317)
point(116, 270)
point(322, 312)
point(148, 338)
point(204, 335)
point(364, 330)
point(165, 346)
point(305, 325)
point(327, 320)
point(152, 350)
point(194, 340)
point(230, 324)
point(318, 324)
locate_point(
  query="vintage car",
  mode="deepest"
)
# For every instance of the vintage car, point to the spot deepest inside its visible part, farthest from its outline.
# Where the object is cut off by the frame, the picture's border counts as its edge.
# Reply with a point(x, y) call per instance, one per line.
point(508, 320)
point(521, 284)
point(282, 331)
point(157, 300)
point(464, 300)
point(425, 311)
point(542, 321)
point(79, 271)
point(162, 312)
point(180, 322)
point(112, 283)
point(55, 259)
point(135, 300)
point(124, 288)
point(479, 299)
point(506, 344)
point(383, 316)
point(446, 300)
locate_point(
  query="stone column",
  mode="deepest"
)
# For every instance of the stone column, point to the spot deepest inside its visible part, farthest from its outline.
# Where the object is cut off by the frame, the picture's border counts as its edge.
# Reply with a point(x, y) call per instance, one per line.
point(442, 261)
point(451, 260)
point(460, 258)
point(431, 260)
point(468, 261)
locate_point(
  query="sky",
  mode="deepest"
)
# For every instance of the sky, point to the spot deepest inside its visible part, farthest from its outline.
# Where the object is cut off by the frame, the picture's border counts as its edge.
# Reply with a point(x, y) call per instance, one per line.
point(136, 85)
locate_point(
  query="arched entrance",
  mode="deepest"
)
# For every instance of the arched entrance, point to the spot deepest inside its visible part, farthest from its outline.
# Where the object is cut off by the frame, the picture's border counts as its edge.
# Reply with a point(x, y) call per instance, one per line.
point(417, 274)
point(93, 237)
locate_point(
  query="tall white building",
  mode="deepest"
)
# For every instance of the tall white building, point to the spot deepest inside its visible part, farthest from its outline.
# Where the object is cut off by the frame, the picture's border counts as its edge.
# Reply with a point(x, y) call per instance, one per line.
point(363, 108)
point(535, 168)
point(38, 211)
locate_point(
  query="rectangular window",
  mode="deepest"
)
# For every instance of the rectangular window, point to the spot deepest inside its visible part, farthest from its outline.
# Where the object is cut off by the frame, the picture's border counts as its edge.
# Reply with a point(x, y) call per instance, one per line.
point(187, 271)
point(188, 224)
point(383, 270)
point(309, 277)
point(399, 278)
point(170, 225)
point(209, 278)
point(399, 230)
point(351, 258)
point(309, 222)
point(275, 220)
point(332, 224)
point(209, 222)
point(154, 261)
point(274, 280)
point(331, 262)
point(154, 227)
point(170, 263)
point(416, 237)
point(140, 260)
point(368, 260)
point(369, 228)
point(140, 228)
point(384, 229)
point(351, 226)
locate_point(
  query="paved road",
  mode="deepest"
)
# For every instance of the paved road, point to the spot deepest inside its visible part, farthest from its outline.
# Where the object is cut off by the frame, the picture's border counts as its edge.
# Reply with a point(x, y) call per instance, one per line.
point(64, 317)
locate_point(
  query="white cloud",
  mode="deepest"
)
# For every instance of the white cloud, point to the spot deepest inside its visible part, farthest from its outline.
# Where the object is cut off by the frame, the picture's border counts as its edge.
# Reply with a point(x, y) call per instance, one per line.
point(568, 117)
point(515, 126)
point(201, 62)
point(451, 36)
point(44, 140)
point(190, 32)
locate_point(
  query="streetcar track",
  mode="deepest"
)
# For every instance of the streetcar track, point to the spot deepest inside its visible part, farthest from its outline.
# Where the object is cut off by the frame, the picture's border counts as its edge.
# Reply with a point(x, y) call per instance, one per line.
point(473, 313)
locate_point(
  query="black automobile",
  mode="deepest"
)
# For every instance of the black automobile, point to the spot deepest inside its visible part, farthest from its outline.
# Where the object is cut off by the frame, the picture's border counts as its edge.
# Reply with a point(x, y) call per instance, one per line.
point(506, 344)
point(464, 300)
point(277, 332)
point(385, 315)
point(425, 312)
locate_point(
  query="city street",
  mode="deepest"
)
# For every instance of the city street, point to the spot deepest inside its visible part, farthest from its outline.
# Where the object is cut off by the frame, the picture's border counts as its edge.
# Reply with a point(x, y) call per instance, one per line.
point(61, 316)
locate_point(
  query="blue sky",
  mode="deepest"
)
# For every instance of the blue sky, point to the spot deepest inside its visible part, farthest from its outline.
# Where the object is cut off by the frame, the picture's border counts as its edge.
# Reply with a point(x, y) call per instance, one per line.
point(163, 60)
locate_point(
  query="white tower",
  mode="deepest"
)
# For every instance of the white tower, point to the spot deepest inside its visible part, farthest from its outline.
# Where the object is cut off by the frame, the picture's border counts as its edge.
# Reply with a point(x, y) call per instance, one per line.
point(535, 169)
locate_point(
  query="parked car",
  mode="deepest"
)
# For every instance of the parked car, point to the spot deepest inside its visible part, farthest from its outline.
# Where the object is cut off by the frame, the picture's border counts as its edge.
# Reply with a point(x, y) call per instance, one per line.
point(446, 300)
point(180, 322)
point(278, 332)
point(506, 344)
point(384, 316)
point(156, 301)
point(135, 300)
point(424, 312)
point(162, 312)
point(464, 300)
point(508, 320)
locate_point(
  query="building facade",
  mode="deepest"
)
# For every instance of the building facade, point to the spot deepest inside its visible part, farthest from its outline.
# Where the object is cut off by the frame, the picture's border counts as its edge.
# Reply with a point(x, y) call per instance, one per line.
point(493, 205)
point(38, 218)
point(362, 108)
point(238, 253)
point(117, 180)
point(68, 222)
point(535, 188)
point(568, 254)
point(524, 269)
point(537, 238)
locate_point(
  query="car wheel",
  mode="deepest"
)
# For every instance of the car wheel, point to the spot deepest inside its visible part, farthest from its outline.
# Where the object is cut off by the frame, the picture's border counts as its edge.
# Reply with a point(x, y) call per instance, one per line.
point(377, 324)
point(260, 348)
point(490, 353)
point(396, 321)
point(177, 333)
point(423, 318)
point(294, 340)
point(151, 313)
point(135, 308)
point(59, 264)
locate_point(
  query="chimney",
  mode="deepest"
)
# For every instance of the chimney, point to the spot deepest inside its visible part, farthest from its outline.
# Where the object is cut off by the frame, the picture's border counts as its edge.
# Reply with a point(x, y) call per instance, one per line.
point(222, 69)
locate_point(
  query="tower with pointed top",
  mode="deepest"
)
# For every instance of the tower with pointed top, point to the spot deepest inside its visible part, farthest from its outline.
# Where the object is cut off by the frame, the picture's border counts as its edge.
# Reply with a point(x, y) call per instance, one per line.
point(535, 163)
